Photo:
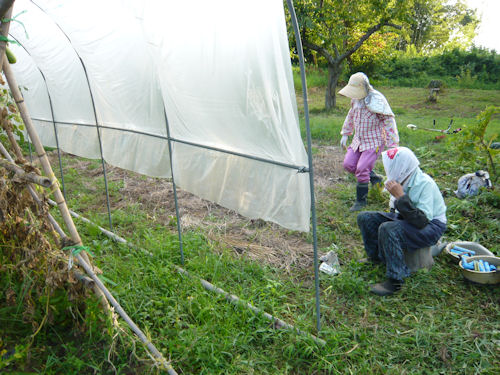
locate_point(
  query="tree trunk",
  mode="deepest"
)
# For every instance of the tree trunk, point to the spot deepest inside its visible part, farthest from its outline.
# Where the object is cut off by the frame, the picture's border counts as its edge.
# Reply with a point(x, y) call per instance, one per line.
point(333, 78)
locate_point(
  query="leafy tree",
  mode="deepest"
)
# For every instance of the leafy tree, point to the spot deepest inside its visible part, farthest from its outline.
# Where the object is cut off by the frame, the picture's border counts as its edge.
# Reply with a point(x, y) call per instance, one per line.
point(435, 25)
point(378, 49)
point(362, 32)
point(336, 29)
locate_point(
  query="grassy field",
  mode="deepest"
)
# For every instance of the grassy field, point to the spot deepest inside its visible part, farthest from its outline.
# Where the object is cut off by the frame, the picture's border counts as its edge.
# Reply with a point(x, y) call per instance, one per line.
point(438, 323)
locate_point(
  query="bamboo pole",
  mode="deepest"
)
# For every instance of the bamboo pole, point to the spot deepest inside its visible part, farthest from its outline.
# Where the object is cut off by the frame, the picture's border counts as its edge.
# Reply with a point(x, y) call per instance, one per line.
point(108, 233)
point(4, 7)
point(94, 281)
point(59, 198)
point(235, 300)
point(17, 150)
point(5, 29)
point(27, 177)
point(124, 315)
point(277, 323)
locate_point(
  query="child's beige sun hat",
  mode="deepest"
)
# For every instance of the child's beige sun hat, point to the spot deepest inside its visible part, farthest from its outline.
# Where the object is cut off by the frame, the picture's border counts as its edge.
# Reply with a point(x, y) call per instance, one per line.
point(357, 87)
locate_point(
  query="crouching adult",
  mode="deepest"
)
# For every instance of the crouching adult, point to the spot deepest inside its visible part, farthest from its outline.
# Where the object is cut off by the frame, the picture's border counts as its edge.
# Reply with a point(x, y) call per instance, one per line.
point(418, 221)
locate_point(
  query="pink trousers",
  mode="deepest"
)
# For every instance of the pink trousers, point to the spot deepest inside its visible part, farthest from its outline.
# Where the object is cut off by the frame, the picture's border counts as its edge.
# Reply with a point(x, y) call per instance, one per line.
point(361, 163)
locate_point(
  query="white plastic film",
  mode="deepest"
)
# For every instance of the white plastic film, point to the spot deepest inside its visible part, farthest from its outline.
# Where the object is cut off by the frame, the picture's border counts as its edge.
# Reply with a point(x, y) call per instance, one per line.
point(229, 85)
point(221, 72)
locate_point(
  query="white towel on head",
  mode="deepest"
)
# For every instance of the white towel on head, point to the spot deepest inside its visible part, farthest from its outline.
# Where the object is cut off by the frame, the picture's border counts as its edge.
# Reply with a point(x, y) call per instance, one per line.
point(399, 164)
point(375, 100)
point(377, 103)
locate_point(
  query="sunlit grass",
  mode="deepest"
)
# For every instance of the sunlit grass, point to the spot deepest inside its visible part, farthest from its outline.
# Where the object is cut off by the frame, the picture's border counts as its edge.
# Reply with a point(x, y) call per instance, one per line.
point(438, 323)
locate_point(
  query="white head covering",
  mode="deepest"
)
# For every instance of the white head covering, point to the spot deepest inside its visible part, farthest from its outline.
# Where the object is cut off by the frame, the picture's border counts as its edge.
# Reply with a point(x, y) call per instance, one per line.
point(377, 103)
point(399, 164)
point(359, 88)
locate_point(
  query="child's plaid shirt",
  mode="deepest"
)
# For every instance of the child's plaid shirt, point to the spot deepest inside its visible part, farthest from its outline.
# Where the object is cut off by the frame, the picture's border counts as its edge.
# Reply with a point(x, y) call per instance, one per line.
point(371, 130)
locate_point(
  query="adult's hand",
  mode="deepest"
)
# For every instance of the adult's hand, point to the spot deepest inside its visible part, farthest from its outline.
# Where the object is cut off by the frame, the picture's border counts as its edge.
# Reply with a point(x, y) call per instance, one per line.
point(394, 188)
point(343, 141)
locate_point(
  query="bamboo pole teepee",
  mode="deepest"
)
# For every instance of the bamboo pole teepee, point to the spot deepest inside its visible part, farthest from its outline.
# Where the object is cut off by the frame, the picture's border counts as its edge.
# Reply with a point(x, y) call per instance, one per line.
point(42, 155)
point(82, 257)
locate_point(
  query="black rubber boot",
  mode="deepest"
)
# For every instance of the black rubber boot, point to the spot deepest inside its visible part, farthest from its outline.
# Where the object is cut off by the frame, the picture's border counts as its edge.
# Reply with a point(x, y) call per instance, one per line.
point(387, 288)
point(375, 178)
point(361, 194)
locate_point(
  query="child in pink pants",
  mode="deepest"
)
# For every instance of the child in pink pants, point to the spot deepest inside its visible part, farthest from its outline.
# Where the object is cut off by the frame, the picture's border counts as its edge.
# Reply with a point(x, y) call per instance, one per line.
point(372, 122)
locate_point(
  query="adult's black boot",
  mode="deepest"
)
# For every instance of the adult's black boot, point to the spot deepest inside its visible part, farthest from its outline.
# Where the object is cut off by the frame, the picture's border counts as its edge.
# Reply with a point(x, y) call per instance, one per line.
point(361, 194)
point(375, 178)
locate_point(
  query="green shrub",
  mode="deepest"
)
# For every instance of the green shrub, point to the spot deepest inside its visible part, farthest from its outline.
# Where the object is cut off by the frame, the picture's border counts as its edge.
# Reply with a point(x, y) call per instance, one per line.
point(474, 143)
point(477, 68)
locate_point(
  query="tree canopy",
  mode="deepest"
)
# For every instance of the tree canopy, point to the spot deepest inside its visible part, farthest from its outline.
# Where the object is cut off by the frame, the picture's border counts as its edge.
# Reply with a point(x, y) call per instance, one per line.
point(434, 25)
point(337, 31)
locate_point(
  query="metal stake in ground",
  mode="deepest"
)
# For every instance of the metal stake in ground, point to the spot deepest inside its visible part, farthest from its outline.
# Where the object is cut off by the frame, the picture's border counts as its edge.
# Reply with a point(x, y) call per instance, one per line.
point(53, 122)
point(309, 154)
point(179, 227)
point(95, 116)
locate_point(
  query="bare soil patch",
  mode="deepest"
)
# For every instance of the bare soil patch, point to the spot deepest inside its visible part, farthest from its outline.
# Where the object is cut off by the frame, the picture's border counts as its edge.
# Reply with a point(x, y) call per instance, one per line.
point(255, 239)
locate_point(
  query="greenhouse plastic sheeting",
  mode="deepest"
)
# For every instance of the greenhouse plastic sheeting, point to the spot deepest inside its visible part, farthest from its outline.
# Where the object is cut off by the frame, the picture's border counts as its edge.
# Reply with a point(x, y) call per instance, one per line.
point(218, 71)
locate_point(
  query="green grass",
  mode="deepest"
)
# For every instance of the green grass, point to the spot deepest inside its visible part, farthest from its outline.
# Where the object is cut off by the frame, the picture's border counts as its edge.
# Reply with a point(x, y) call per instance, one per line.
point(438, 324)
point(410, 107)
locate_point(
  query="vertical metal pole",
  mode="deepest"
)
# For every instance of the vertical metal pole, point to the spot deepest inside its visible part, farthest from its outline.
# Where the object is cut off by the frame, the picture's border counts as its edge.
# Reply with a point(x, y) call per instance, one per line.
point(179, 230)
point(53, 120)
point(58, 149)
point(57, 144)
point(95, 116)
point(55, 134)
point(100, 142)
point(300, 52)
